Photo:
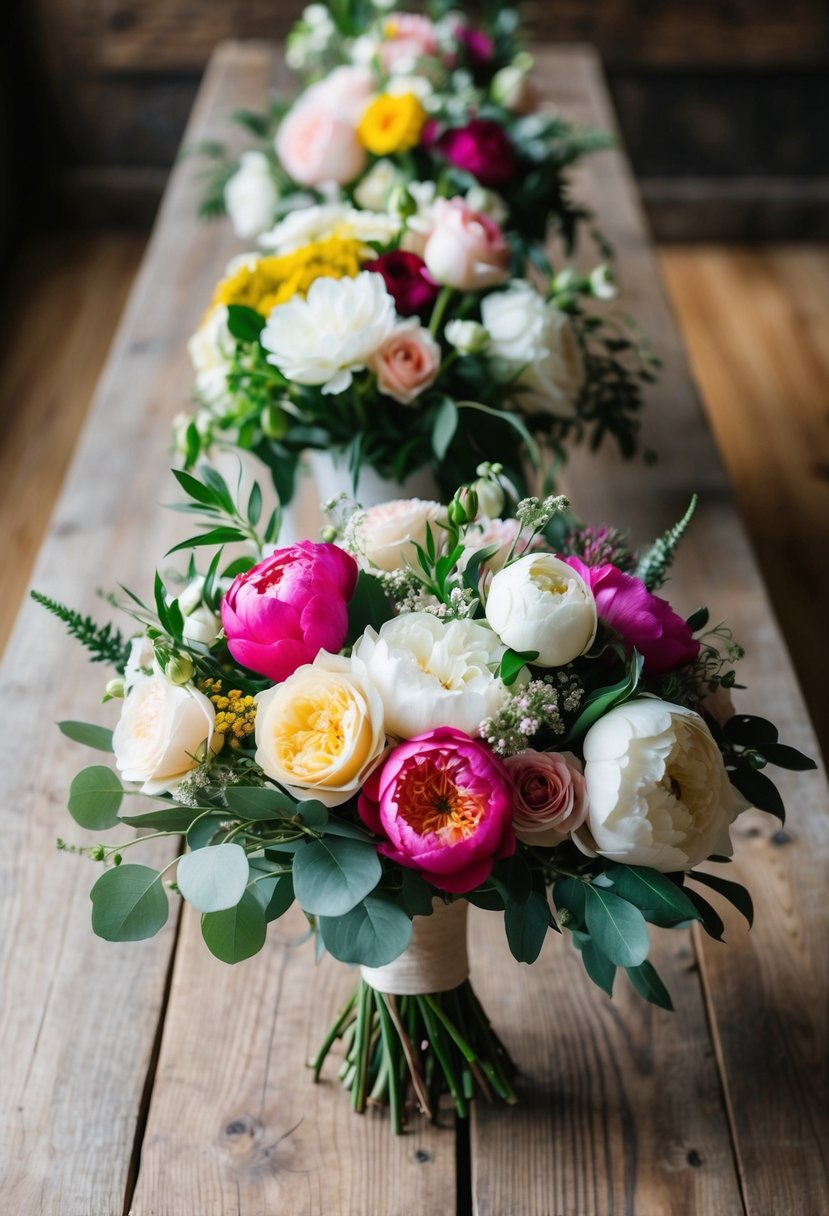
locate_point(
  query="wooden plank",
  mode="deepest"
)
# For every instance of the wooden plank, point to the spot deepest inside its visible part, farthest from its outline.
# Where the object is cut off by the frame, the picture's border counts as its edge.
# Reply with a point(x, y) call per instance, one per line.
point(766, 992)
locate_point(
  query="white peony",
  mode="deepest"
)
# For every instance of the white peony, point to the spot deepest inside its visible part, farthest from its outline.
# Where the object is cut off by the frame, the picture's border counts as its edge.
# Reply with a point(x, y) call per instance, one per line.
point(162, 730)
point(533, 342)
point(432, 673)
point(211, 350)
point(540, 603)
point(310, 224)
point(657, 789)
point(332, 333)
point(384, 536)
point(251, 196)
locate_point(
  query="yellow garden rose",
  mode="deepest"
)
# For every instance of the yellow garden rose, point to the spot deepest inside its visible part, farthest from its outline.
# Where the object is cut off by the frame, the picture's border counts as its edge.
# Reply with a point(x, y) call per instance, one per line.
point(320, 731)
point(391, 123)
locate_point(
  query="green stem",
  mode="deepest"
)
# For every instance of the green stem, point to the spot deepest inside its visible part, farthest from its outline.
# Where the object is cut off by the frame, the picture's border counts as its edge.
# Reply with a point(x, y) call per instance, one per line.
point(391, 1045)
point(443, 1052)
point(438, 312)
point(334, 1033)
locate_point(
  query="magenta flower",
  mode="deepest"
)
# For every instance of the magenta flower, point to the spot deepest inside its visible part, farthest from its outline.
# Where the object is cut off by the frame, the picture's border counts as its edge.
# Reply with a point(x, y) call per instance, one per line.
point(407, 280)
point(480, 48)
point(642, 619)
point(285, 610)
point(444, 803)
point(480, 148)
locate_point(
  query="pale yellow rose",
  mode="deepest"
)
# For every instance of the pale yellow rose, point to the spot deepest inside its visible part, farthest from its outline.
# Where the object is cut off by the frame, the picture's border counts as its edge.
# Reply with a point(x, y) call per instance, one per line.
point(320, 732)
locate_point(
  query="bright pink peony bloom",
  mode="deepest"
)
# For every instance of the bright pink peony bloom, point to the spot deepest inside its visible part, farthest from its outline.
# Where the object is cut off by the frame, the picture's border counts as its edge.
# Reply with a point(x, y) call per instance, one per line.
point(407, 280)
point(480, 48)
point(642, 619)
point(444, 802)
point(481, 148)
point(289, 607)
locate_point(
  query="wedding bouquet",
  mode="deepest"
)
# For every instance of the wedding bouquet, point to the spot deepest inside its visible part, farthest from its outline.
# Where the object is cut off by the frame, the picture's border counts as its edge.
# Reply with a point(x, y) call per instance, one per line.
point(408, 340)
point(425, 710)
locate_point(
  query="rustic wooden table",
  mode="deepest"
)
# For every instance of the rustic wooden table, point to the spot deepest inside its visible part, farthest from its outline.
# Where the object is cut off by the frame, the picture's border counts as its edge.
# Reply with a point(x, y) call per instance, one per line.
point(151, 1079)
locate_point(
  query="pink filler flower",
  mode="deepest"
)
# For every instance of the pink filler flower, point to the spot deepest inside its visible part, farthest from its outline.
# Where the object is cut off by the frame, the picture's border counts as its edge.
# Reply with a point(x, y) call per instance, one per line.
point(444, 803)
point(285, 610)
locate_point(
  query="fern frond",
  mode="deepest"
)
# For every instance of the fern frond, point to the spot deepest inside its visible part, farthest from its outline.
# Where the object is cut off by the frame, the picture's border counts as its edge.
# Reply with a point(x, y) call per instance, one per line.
point(652, 567)
point(104, 643)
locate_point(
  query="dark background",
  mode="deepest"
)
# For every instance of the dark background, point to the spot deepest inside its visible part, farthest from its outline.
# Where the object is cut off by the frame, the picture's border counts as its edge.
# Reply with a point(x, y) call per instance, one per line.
point(723, 104)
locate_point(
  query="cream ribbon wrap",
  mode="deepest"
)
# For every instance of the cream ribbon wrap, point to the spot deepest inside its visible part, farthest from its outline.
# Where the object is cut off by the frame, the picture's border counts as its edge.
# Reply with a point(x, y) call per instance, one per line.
point(436, 959)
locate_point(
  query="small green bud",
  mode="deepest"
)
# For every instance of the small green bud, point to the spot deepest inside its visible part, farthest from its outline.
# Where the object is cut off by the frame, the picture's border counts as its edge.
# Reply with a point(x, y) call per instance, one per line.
point(457, 513)
point(401, 203)
point(329, 534)
point(179, 669)
point(114, 689)
point(274, 422)
point(98, 852)
point(117, 859)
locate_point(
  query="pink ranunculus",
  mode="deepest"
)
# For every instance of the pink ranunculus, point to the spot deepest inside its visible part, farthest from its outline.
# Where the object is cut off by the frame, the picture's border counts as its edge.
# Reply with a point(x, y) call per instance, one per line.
point(407, 363)
point(407, 280)
point(550, 798)
point(444, 803)
point(408, 37)
point(642, 619)
point(285, 610)
point(465, 249)
point(317, 139)
point(481, 148)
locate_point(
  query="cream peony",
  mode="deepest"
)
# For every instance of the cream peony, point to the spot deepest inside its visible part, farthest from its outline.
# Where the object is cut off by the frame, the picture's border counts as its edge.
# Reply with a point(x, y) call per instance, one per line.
point(163, 731)
point(432, 673)
point(320, 732)
point(251, 196)
point(540, 603)
point(533, 342)
point(657, 789)
point(384, 536)
point(332, 333)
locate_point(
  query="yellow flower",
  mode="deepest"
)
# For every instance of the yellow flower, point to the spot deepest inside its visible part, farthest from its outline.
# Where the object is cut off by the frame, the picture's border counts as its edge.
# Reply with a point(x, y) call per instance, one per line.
point(391, 123)
point(270, 281)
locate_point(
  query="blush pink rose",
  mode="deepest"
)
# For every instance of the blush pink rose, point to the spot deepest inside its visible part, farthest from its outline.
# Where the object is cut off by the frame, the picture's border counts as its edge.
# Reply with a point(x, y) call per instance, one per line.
point(642, 620)
point(550, 796)
point(280, 614)
point(443, 802)
point(317, 139)
point(407, 363)
point(465, 248)
point(408, 37)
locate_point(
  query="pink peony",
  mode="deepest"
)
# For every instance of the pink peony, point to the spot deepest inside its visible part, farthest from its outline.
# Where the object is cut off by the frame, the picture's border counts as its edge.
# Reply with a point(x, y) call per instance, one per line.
point(550, 798)
point(407, 280)
point(480, 49)
point(444, 803)
point(465, 249)
point(407, 363)
point(317, 139)
point(289, 607)
point(643, 620)
point(480, 148)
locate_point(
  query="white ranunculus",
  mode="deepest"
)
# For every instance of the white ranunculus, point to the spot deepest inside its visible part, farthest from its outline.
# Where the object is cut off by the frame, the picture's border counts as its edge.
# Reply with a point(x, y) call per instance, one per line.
point(211, 350)
point(374, 190)
point(384, 536)
point(533, 341)
point(332, 333)
point(657, 789)
point(320, 732)
point(251, 196)
point(540, 603)
point(303, 227)
point(432, 673)
point(162, 729)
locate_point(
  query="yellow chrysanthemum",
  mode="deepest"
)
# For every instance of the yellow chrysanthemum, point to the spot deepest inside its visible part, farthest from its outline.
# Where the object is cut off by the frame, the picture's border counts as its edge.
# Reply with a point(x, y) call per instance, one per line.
point(391, 123)
point(270, 281)
point(236, 712)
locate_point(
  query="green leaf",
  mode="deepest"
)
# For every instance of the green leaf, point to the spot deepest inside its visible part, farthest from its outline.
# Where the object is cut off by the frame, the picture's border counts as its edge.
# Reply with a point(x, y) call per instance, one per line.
point(129, 903)
point(513, 877)
point(313, 814)
point(255, 504)
point(472, 570)
point(331, 876)
point(373, 933)
point(245, 324)
point(749, 731)
point(569, 895)
point(216, 536)
point(341, 827)
point(90, 735)
point(598, 966)
point(95, 797)
point(785, 757)
point(172, 818)
point(526, 925)
point(416, 895)
point(368, 606)
point(282, 897)
point(510, 419)
point(203, 831)
point(734, 892)
point(214, 878)
point(661, 900)
point(194, 489)
point(604, 699)
point(698, 620)
point(259, 802)
point(712, 922)
point(760, 791)
point(513, 663)
point(445, 425)
point(617, 927)
point(235, 933)
point(648, 984)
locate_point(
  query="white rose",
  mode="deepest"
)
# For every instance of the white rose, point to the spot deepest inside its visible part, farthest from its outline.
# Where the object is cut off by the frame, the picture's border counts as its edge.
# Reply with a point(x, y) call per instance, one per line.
point(320, 732)
point(540, 603)
point(251, 196)
point(375, 188)
point(211, 350)
point(332, 333)
point(467, 337)
point(162, 728)
point(385, 535)
point(534, 341)
point(657, 789)
point(432, 673)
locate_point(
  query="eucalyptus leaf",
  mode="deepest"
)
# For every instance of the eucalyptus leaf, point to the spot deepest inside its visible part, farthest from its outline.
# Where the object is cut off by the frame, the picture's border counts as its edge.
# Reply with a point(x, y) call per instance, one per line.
point(214, 878)
point(598, 966)
point(526, 926)
point(313, 814)
point(617, 927)
point(259, 802)
point(171, 818)
point(661, 900)
point(569, 894)
point(647, 983)
point(87, 733)
point(237, 933)
point(129, 904)
point(373, 933)
point(95, 797)
point(444, 428)
point(416, 895)
point(332, 875)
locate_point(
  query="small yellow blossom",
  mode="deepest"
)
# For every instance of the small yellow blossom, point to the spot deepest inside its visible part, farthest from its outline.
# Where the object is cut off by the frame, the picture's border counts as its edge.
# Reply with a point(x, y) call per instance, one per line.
point(391, 123)
point(236, 712)
point(270, 281)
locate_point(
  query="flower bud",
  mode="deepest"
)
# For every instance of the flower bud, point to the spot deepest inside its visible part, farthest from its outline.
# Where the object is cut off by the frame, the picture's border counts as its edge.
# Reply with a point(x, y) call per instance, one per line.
point(491, 497)
point(467, 337)
point(401, 203)
point(179, 669)
point(511, 86)
point(273, 422)
point(602, 283)
point(457, 512)
point(114, 689)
